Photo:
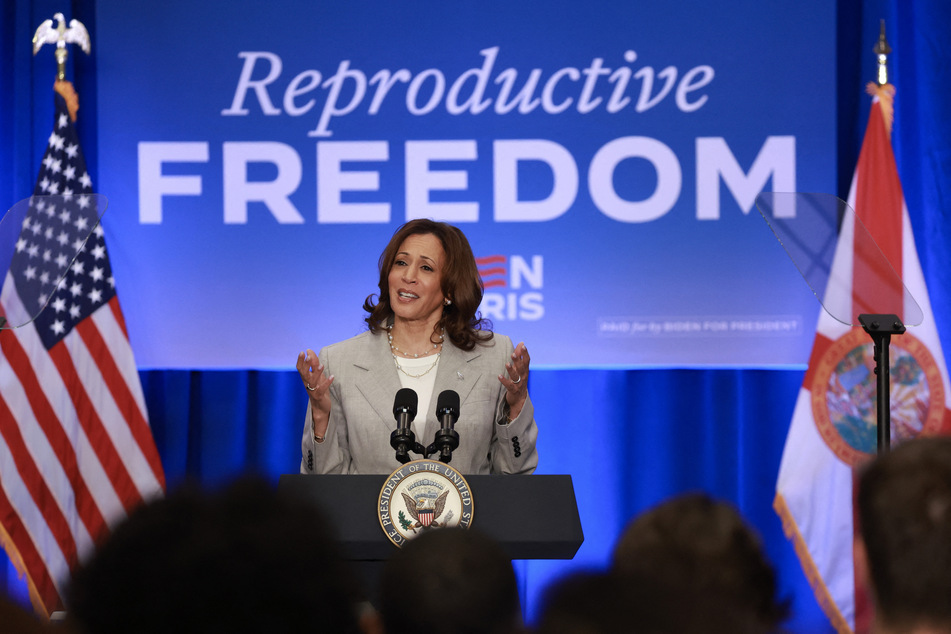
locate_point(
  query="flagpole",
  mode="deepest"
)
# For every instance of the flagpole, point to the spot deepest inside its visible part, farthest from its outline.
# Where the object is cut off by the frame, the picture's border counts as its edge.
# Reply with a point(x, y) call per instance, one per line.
point(882, 49)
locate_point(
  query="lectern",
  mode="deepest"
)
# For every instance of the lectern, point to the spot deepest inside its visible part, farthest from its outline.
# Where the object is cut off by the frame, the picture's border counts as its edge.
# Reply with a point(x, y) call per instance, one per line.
point(532, 517)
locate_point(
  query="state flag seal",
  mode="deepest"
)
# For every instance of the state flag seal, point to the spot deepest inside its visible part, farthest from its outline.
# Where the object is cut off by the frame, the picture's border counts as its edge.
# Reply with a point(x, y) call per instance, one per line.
point(843, 394)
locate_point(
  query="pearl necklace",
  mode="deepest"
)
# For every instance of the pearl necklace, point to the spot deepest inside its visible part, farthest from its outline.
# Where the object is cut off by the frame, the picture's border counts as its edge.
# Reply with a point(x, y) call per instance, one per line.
point(396, 350)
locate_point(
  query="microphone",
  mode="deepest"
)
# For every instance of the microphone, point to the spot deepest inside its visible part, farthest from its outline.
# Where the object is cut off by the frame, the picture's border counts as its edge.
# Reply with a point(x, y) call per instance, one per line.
point(447, 411)
point(404, 409)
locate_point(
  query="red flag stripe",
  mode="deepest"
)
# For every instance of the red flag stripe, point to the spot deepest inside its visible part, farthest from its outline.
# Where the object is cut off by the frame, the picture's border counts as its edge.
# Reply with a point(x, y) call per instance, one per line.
point(878, 205)
point(878, 196)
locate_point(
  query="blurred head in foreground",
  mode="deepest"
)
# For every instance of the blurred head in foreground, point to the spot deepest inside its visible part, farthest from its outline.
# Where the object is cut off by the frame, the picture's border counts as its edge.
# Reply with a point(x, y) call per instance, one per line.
point(243, 559)
point(702, 548)
point(904, 504)
point(450, 581)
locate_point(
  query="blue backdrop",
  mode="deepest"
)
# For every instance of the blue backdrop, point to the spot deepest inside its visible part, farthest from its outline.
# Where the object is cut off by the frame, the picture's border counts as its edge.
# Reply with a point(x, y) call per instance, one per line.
point(663, 422)
point(597, 155)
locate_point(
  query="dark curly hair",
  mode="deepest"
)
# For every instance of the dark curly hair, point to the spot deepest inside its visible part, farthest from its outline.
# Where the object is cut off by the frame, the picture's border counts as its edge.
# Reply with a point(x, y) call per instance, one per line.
point(460, 282)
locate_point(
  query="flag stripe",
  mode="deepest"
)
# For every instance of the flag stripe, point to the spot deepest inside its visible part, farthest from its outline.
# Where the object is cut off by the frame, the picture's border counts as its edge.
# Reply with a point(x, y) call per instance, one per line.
point(878, 206)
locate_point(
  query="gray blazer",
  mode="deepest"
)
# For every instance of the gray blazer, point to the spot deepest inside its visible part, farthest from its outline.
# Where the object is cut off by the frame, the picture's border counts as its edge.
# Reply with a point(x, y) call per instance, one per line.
point(361, 415)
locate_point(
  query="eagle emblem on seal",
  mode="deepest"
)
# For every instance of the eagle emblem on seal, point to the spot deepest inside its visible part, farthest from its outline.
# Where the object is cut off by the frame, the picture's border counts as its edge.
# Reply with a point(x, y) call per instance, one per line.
point(424, 511)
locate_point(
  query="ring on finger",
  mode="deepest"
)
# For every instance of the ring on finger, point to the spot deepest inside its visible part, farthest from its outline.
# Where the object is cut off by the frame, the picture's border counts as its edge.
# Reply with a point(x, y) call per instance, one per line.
point(312, 389)
point(517, 381)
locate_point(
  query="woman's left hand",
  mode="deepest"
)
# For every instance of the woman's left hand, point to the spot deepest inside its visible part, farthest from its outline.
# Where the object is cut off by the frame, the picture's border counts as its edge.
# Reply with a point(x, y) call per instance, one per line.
point(516, 383)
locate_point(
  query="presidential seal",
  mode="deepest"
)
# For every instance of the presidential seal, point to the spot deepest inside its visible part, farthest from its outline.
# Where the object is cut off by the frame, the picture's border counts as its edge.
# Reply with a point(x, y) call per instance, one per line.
point(423, 495)
point(843, 391)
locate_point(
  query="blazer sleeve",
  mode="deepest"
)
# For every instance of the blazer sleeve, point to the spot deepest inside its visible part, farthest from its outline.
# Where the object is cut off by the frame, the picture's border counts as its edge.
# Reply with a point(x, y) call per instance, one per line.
point(332, 455)
point(513, 444)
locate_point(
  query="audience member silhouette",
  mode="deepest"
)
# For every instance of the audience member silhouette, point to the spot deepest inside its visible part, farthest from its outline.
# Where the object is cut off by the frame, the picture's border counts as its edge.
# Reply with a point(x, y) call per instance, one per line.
point(702, 548)
point(246, 558)
point(904, 549)
point(597, 602)
point(450, 581)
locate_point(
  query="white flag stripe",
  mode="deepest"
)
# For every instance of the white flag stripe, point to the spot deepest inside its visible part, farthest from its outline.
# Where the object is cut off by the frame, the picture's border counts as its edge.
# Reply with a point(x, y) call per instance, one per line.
point(114, 422)
point(30, 515)
point(120, 349)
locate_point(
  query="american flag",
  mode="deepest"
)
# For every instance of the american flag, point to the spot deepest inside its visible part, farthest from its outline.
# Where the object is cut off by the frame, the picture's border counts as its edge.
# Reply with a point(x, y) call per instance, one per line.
point(76, 450)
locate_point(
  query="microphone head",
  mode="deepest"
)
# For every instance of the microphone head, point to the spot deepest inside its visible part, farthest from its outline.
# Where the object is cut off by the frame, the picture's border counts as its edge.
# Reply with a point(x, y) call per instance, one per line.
point(406, 401)
point(448, 401)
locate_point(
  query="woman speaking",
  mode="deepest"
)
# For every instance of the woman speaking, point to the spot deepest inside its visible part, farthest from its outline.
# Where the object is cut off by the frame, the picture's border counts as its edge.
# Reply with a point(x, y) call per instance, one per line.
point(423, 334)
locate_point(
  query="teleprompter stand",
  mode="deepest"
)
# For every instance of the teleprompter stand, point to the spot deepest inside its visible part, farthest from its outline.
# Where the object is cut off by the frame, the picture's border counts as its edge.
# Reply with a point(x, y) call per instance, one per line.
point(881, 328)
point(825, 239)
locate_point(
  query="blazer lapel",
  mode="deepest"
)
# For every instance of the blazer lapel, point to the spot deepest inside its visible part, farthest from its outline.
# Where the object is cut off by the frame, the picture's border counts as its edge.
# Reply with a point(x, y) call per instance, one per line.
point(380, 383)
point(455, 373)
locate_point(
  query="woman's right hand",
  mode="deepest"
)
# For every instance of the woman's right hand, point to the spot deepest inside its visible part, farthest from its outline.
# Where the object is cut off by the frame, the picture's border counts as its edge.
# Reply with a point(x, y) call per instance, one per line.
point(318, 389)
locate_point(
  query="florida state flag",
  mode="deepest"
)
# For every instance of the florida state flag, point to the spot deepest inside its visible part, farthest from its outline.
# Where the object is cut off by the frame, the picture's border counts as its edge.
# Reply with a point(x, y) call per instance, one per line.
point(834, 424)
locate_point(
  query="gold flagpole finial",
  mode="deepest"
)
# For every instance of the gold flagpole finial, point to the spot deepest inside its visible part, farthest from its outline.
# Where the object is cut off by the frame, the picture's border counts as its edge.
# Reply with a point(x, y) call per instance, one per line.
point(882, 49)
point(61, 36)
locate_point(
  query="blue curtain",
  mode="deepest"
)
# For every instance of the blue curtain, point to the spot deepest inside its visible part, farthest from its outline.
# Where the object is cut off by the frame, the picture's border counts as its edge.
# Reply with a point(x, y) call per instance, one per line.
point(629, 437)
